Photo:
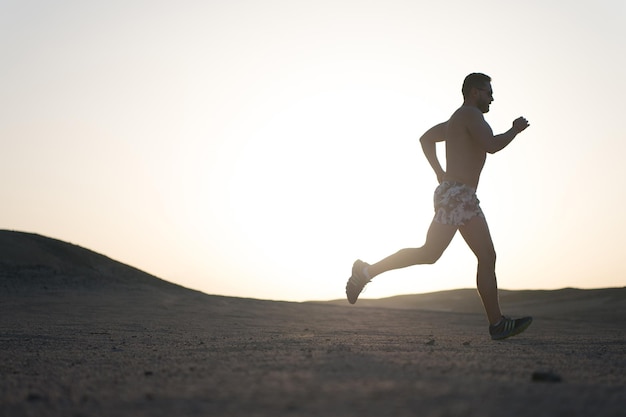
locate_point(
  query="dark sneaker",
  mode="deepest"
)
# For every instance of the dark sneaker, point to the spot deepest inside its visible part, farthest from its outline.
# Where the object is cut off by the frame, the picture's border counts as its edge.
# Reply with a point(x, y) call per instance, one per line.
point(357, 281)
point(509, 327)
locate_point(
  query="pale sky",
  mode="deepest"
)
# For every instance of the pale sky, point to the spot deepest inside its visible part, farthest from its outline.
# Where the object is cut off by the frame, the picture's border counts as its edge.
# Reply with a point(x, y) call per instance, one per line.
point(257, 148)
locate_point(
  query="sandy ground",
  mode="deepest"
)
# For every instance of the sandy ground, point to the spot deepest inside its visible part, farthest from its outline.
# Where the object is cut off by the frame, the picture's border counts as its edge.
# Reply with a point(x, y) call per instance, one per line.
point(164, 353)
point(83, 335)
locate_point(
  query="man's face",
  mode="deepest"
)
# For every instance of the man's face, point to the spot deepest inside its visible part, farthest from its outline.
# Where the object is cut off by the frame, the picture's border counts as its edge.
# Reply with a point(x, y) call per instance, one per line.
point(485, 97)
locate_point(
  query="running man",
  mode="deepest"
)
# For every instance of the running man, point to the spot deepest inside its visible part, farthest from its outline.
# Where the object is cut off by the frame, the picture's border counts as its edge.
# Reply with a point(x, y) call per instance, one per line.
point(468, 138)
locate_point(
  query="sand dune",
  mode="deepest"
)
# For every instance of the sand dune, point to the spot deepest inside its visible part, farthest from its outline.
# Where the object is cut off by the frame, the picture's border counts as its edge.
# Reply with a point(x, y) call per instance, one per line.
point(81, 334)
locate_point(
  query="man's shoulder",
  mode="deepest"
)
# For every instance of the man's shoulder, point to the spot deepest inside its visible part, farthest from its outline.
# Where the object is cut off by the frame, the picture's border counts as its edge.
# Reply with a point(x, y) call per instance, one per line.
point(466, 115)
point(467, 111)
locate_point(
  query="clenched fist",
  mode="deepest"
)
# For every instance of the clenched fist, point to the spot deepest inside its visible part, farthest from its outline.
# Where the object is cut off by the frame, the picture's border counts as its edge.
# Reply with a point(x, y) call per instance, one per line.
point(520, 124)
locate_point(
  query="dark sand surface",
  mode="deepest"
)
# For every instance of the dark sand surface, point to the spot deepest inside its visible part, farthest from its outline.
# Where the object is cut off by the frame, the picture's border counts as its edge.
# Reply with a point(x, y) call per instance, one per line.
point(81, 335)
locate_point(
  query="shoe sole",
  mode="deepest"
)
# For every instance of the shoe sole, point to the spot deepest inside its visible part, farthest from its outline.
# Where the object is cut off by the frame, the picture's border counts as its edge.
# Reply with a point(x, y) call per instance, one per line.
point(515, 331)
point(352, 300)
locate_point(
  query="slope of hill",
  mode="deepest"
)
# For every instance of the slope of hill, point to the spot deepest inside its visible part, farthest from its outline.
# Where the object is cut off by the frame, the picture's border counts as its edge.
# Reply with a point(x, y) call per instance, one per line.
point(33, 263)
point(38, 273)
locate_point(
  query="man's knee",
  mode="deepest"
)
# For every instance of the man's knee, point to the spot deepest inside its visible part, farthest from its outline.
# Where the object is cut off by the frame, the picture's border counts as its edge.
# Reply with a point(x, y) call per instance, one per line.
point(415, 256)
point(433, 257)
point(426, 255)
point(487, 257)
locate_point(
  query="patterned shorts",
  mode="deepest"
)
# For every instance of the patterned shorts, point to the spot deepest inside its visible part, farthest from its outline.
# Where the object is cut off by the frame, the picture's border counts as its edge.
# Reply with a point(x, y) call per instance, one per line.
point(456, 203)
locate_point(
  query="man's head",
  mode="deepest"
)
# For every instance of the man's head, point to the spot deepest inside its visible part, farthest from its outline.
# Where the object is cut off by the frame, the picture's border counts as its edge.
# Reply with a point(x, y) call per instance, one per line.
point(477, 90)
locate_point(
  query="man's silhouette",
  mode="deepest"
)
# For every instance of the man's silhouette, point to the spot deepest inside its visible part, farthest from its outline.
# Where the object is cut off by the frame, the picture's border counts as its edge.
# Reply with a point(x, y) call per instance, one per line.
point(468, 138)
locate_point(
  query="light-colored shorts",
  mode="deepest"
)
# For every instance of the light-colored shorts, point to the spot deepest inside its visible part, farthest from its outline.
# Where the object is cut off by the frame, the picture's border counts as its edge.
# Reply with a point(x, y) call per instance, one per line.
point(456, 203)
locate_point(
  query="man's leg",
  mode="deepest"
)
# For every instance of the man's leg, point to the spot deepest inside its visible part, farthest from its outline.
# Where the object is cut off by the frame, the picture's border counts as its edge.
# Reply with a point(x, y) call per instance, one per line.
point(437, 240)
point(476, 234)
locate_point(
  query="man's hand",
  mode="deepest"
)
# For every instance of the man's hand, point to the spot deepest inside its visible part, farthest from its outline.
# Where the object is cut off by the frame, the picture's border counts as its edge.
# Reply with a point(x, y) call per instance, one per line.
point(520, 124)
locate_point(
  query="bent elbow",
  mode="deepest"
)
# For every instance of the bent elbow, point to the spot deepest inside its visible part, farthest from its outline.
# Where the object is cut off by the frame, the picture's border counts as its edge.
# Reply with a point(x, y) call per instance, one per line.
point(435, 134)
point(492, 148)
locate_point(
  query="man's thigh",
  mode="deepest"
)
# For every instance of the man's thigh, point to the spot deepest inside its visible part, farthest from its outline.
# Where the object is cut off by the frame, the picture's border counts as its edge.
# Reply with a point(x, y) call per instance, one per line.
point(477, 236)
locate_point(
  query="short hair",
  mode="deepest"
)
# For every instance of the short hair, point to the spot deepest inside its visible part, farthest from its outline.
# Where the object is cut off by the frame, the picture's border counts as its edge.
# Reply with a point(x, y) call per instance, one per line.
point(474, 80)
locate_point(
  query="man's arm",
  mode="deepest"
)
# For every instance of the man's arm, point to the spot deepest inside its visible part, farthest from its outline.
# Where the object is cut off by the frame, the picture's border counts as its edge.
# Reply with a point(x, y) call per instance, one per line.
point(429, 146)
point(481, 131)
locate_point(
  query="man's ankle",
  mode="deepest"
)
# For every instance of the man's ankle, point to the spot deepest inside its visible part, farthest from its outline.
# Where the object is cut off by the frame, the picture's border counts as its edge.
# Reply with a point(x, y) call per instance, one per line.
point(366, 273)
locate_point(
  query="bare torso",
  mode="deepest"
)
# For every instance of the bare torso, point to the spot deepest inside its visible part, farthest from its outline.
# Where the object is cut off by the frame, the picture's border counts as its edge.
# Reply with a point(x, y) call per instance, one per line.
point(465, 157)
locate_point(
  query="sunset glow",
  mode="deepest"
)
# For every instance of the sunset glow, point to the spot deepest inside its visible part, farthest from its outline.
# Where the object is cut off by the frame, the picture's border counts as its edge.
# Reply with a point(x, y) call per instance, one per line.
point(256, 149)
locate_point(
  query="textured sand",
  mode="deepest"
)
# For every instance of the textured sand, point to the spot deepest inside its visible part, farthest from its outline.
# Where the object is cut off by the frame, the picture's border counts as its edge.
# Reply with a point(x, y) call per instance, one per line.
point(70, 348)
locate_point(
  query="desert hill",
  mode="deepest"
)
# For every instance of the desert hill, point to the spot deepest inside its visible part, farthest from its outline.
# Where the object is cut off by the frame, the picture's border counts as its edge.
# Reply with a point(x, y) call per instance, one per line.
point(34, 264)
point(567, 303)
point(38, 271)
